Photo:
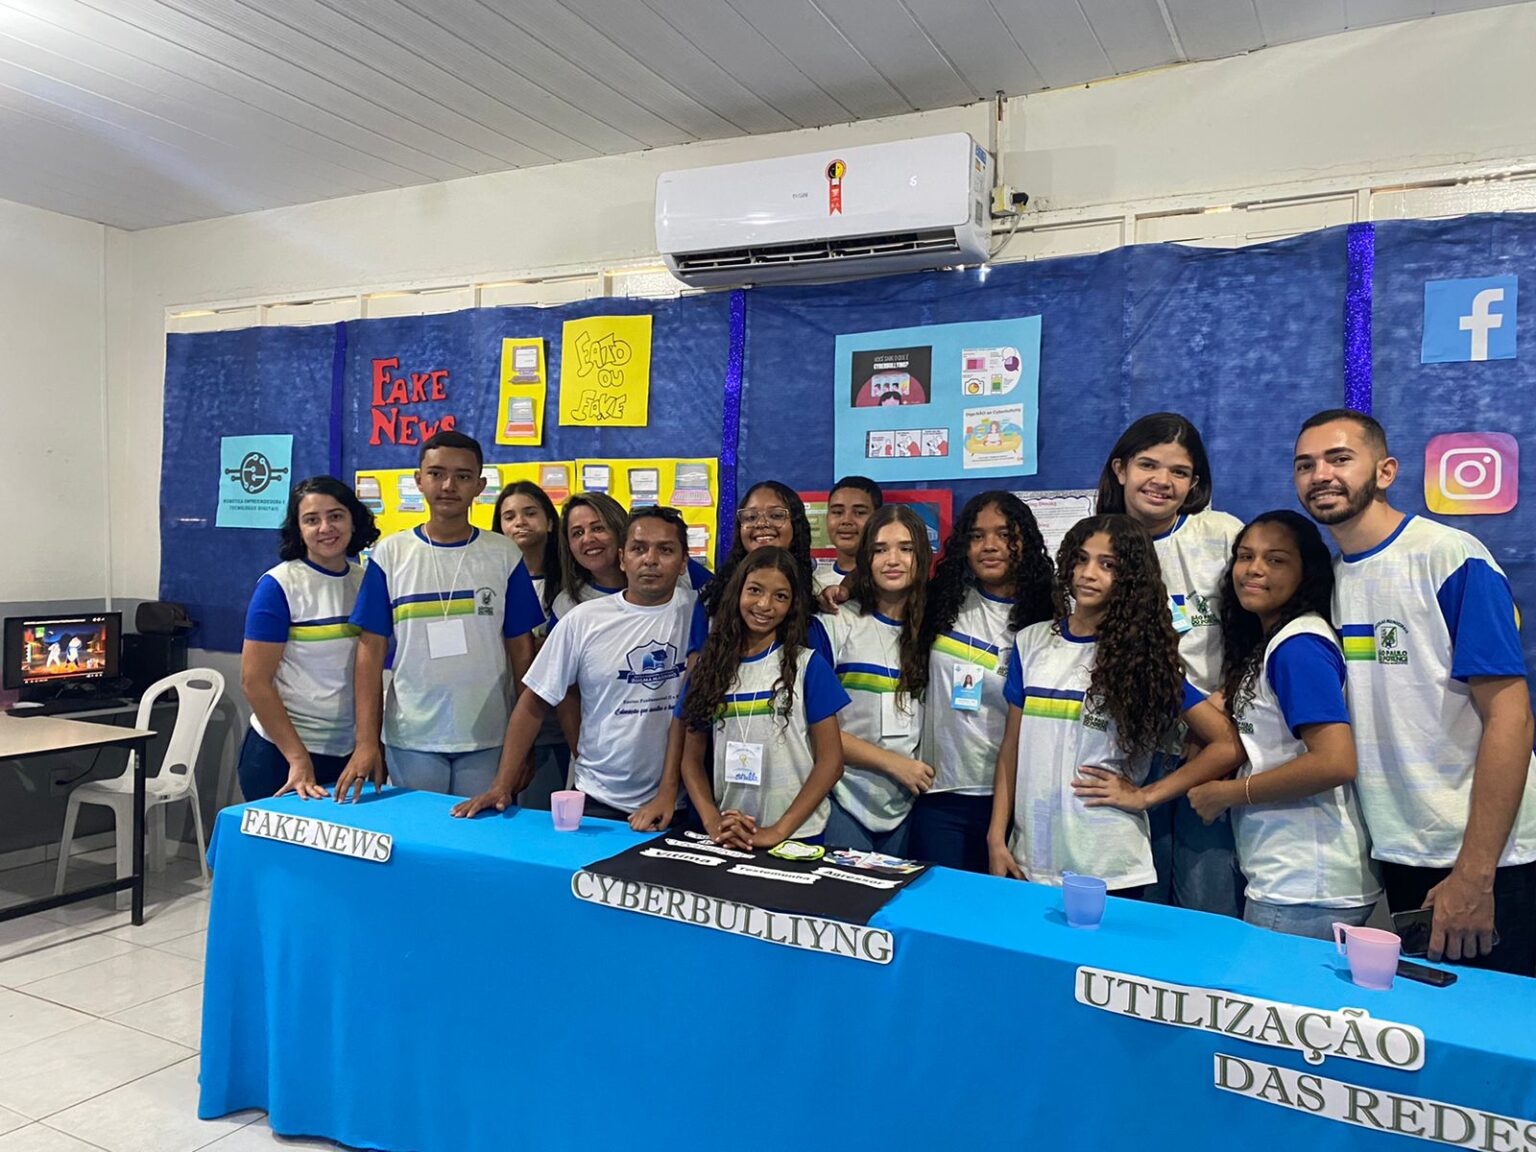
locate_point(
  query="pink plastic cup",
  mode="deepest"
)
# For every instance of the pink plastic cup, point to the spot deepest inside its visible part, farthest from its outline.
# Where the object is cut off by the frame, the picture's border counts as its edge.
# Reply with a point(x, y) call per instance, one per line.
point(1372, 954)
point(566, 808)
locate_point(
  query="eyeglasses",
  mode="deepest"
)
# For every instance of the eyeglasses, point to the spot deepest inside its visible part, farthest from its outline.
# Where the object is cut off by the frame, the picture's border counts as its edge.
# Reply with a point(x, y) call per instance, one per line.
point(751, 516)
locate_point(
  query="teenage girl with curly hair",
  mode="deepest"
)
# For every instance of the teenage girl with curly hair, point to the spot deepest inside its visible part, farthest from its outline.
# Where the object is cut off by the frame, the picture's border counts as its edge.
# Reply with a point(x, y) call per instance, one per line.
point(771, 702)
point(1090, 694)
point(770, 515)
point(993, 578)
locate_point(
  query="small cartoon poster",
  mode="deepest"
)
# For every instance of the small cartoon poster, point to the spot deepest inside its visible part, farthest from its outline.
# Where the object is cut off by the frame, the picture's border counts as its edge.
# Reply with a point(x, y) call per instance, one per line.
point(939, 402)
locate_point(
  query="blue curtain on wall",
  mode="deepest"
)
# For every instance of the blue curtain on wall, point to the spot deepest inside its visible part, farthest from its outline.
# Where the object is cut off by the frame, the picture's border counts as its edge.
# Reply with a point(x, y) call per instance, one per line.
point(1246, 342)
point(1417, 402)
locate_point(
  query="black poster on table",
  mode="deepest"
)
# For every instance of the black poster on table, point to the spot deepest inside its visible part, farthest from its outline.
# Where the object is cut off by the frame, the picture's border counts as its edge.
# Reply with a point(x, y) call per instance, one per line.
point(833, 887)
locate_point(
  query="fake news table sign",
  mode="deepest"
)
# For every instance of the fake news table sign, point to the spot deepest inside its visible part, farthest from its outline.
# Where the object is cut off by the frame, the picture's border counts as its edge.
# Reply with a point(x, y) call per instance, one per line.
point(375, 847)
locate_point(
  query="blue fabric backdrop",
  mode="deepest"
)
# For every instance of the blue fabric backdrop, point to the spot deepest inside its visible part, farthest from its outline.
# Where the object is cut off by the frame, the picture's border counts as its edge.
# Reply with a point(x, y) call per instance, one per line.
point(1246, 342)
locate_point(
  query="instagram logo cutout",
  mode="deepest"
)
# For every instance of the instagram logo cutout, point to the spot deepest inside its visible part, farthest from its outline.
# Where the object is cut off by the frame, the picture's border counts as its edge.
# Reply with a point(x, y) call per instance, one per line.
point(1472, 473)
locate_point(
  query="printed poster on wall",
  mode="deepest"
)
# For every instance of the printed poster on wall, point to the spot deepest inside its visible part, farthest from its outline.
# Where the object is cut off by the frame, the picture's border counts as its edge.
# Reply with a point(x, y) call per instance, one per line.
point(520, 409)
point(605, 372)
point(940, 402)
point(255, 473)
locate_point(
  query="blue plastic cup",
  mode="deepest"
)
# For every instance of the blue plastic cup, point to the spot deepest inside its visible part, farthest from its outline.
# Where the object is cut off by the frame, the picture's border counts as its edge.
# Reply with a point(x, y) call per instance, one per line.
point(1082, 898)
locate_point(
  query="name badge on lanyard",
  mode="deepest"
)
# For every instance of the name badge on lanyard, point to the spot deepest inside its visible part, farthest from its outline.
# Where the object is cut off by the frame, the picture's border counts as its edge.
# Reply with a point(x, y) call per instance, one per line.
point(965, 696)
point(446, 638)
point(897, 718)
point(1180, 615)
point(743, 763)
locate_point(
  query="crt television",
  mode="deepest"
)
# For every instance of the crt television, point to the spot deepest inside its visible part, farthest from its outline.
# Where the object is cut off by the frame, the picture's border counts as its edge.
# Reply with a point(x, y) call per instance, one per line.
point(61, 650)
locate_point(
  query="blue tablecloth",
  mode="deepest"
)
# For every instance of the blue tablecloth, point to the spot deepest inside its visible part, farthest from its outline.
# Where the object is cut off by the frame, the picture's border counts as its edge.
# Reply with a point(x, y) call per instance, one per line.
point(460, 998)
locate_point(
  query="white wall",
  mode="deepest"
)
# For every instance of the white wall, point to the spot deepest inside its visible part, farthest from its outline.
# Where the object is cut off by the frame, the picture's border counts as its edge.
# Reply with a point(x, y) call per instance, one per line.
point(53, 519)
point(1441, 98)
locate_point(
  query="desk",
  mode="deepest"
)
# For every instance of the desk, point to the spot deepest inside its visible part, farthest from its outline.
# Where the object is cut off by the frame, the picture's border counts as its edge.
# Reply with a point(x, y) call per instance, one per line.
point(460, 998)
point(22, 738)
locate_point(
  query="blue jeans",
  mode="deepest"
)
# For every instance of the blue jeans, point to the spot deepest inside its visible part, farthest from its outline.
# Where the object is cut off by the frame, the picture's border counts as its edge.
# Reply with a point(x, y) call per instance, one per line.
point(843, 831)
point(949, 828)
point(264, 769)
point(1304, 919)
point(452, 773)
point(1196, 862)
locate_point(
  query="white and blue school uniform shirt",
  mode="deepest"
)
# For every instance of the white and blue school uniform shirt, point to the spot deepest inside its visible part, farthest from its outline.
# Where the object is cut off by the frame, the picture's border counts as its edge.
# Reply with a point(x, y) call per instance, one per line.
point(865, 653)
point(463, 599)
point(1193, 556)
point(1313, 850)
point(826, 575)
point(306, 609)
point(628, 661)
point(756, 712)
point(960, 744)
point(1054, 831)
point(1420, 615)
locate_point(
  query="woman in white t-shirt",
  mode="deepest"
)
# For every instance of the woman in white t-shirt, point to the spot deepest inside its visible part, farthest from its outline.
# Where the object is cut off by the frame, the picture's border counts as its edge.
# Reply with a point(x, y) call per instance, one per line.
point(1158, 474)
point(1301, 841)
point(771, 702)
point(591, 534)
point(296, 662)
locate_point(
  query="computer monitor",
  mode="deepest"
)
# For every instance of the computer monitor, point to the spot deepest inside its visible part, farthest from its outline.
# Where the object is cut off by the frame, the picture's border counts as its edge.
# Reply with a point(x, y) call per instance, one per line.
point(61, 650)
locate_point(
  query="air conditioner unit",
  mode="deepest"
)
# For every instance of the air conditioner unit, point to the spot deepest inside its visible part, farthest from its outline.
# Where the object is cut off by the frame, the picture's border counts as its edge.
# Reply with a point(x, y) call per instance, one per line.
point(830, 215)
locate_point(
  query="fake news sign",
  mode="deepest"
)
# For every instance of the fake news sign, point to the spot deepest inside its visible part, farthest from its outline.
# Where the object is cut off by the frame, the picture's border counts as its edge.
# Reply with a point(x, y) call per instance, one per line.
point(360, 844)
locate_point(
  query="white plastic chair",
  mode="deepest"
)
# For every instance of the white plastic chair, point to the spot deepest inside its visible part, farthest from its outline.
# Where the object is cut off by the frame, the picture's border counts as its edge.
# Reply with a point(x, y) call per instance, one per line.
point(197, 692)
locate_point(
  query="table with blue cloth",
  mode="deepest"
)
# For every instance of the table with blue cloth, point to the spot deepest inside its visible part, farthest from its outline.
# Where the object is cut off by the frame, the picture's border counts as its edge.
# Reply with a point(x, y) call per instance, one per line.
point(458, 997)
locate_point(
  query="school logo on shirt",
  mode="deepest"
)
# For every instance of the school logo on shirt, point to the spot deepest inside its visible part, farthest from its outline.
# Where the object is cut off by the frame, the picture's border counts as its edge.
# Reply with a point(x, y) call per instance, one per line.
point(484, 598)
point(1202, 614)
point(1382, 643)
point(652, 665)
point(1094, 714)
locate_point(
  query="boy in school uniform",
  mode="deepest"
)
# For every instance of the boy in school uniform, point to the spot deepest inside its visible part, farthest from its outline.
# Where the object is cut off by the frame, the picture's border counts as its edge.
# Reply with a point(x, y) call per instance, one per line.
point(850, 504)
point(461, 609)
point(1438, 700)
point(628, 654)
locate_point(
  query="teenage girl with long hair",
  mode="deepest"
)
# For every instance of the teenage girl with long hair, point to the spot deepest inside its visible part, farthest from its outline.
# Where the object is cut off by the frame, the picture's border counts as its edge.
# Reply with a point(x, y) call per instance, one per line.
point(1090, 695)
point(771, 702)
point(1159, 474)
point(1301, 841)
point(993, 578)
point(770, 515)
point(874, 644)
point(525, 513)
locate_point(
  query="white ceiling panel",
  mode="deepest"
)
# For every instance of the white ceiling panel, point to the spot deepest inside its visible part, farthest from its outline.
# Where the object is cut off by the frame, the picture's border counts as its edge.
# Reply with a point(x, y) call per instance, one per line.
point(140, 113)
point(1057, 38)
point(1286, 21)
point(1133, 33)
point(802, 32)
point(1211, 29)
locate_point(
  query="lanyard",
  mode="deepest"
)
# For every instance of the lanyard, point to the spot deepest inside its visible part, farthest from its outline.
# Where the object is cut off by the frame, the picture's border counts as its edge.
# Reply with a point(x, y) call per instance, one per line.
point(445, 599)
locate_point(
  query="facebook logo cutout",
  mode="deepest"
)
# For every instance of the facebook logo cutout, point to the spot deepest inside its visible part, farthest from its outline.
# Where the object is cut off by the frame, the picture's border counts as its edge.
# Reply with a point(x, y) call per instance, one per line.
point(1469, 320)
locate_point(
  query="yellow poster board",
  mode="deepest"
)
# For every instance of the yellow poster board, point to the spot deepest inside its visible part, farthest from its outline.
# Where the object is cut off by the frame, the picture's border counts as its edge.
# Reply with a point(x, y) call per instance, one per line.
point(605, 372)
point(397, 505)
point(520, 409)
point(684, 484)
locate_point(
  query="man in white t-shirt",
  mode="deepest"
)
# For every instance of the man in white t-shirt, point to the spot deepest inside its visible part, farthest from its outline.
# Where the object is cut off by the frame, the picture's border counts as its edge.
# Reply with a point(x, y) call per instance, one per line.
point(627, 654)
point(1438, 701)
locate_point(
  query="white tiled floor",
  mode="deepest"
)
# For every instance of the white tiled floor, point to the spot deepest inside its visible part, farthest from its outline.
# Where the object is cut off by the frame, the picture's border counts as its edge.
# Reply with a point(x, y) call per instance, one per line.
point(100, 1022)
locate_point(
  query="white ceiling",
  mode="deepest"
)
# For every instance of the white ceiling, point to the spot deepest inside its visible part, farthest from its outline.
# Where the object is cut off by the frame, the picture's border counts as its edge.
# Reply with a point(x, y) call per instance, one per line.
point(139, 113)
